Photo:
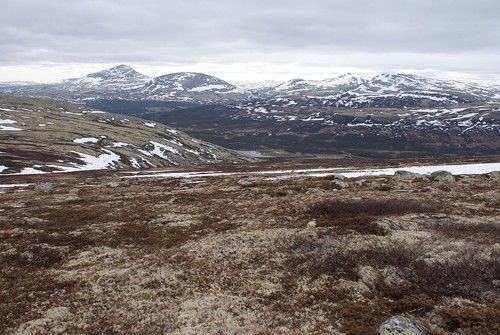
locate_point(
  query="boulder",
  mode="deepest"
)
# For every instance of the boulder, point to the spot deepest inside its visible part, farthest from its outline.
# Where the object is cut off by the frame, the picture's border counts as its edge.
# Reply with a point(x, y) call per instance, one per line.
point(386, 225)
point(494, 175)
point(400, 325)
point(311, 224)
point(123, 183)
point(246, 182)
point(339, 184)
point(407, 175)
point(442, 176)
point(45, 186)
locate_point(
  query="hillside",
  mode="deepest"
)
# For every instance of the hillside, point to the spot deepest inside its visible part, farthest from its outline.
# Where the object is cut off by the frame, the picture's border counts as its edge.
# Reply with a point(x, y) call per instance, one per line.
point(39, 136)
point(249, 249)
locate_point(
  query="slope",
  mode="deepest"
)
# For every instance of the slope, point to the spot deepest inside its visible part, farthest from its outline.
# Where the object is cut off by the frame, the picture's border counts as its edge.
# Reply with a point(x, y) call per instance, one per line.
point(38, 136)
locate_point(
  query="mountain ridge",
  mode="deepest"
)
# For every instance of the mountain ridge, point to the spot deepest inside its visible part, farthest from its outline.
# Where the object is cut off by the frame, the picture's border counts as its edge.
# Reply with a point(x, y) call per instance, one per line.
point(41, 136)
point(123, 82)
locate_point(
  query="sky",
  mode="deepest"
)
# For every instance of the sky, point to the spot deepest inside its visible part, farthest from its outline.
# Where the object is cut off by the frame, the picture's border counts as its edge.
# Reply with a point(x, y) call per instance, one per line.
point(251, 40)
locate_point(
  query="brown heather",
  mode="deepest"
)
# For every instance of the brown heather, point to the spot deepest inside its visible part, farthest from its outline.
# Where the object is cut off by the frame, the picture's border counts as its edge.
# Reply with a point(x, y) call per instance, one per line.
point(212, 256)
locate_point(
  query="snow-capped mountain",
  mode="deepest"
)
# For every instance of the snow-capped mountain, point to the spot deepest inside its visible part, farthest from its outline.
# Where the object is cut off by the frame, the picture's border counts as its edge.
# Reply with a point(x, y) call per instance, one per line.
point(191, 86)
point(330, 86)
point(121, 78)
point(348, 90)
point(385, 90)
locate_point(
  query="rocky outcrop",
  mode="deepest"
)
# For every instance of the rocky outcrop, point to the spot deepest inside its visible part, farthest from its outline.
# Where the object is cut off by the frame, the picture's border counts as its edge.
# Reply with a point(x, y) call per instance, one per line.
point(400, 325)
point(406, 175)
point(442, 176)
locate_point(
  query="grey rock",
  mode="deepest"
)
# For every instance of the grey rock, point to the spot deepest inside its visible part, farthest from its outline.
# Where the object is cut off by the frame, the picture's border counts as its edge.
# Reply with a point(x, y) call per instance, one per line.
point(442, 176)
point(311, 224)
point(339, 184)
point(123, 183)
point(314, 191)
point(387, 225)
point(45, 186)
point(360, 183)
point(400, 325)
point(368, 275)
point(246, 182)
point(494, 175)
point(407, 175)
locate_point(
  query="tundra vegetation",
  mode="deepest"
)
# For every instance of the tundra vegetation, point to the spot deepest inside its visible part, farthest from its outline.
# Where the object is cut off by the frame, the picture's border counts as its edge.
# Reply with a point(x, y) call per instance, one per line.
point(96, 253)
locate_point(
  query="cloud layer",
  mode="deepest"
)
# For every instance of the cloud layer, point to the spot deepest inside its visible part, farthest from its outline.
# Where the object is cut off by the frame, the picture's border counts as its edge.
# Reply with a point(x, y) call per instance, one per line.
point(383, 35)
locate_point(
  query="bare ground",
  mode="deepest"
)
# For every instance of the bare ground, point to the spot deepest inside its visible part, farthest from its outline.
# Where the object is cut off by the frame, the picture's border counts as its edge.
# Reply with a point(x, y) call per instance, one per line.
point(242, 255)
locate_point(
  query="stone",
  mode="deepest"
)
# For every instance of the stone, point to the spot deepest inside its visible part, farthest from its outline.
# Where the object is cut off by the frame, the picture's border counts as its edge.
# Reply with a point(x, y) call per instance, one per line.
point(387, 225)
point(400, 325)
point(368, 275)
point(45, 186)
point(123, 183)
point(246, 182)
point(311, 224)
point(339, 184)
point(442, 176)
point(407, 175)
point(360, 183)
point(494, 175)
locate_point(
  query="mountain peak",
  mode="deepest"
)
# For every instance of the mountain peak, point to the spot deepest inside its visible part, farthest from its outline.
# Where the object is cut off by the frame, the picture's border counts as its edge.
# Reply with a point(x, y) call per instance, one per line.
point(120, 71)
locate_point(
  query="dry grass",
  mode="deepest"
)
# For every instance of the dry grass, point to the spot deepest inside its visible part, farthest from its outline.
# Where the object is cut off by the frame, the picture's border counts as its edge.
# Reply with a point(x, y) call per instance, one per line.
point(213, 256)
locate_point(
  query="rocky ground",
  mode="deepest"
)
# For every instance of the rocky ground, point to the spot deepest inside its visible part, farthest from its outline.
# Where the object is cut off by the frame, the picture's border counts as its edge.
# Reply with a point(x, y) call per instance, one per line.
point(97, 253)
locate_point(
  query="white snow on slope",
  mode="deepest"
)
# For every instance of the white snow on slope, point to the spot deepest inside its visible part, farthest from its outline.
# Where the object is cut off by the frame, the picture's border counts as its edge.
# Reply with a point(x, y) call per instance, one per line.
point(7, 128)
point(104, 161)
point(13, 185)
point(120, 144)
point(86, 140)
point(208, 88)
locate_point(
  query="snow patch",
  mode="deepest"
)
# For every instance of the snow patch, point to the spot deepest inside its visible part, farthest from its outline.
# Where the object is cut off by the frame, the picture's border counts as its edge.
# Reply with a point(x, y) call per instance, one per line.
point(208, 88)
point(135, 163)
point(104, 161)
point(7, 128)
point(86, 140)
point(120, 144)
point(480, 168)
point(150, 124)
point(13, 185)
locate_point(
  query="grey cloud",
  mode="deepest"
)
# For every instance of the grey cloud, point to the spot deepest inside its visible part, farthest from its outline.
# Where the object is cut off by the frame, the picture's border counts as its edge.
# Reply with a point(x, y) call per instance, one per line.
point(221, 31)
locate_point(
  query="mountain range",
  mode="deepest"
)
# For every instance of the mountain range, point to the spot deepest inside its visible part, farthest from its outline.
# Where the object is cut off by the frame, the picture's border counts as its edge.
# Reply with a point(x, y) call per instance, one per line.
point(385, 116)
point(347, 90)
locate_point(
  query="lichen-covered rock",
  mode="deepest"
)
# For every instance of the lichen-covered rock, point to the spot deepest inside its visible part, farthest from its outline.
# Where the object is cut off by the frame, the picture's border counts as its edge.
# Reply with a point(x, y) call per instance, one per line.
point(407, 175)
point(246, 182)
point(339, 184)
point(386, 225)
point(495, 175)
point(400, 325)
point(368, 275)
point(45, 186)
point(311, 224)
point(442, 176)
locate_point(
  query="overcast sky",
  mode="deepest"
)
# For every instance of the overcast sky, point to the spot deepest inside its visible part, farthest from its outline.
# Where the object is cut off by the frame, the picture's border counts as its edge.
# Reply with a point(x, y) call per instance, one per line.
point(50, 40)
